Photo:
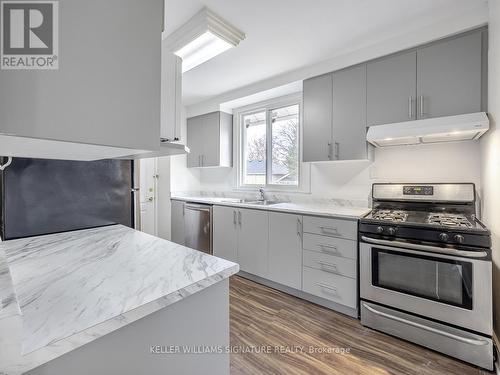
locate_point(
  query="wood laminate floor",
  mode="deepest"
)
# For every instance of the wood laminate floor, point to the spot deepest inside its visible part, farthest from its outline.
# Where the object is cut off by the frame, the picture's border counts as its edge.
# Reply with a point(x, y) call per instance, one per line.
point(263, 318)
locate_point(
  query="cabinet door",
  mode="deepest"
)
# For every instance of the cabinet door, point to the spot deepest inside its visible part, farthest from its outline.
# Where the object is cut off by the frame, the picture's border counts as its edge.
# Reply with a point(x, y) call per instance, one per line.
point(391, 89)
point(349, 114)
point(253, 241)
point(171, 92)
point(285, 249)
point(177, 222)
point(449, 77)
point(225, 236)
point(317, 129)
point(195, 141)
point(211, 140)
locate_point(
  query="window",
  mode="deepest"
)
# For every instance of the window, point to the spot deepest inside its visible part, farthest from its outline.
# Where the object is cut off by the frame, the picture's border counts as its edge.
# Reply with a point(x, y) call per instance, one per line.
point(270, 146)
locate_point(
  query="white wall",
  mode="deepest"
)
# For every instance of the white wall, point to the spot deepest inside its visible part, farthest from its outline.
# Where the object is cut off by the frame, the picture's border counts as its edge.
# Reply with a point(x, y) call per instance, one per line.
point(446, 162)
point(490, 144)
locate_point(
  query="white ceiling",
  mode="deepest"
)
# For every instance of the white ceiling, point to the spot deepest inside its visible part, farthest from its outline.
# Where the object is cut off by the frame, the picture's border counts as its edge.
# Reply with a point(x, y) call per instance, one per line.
point(284, 35)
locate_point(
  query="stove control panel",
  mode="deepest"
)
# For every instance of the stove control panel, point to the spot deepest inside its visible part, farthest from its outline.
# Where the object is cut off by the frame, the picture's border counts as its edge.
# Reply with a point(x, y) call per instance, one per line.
point(418, 190)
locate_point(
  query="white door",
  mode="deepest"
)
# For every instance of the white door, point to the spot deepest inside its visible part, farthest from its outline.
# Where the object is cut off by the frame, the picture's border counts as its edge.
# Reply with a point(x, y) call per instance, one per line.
point(148, 198)
point(285, 249)
point(225, 240)
point(253, 241)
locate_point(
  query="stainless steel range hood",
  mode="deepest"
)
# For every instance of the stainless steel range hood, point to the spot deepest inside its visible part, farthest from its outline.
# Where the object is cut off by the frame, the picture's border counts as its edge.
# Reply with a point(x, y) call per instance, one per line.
point(469, 126)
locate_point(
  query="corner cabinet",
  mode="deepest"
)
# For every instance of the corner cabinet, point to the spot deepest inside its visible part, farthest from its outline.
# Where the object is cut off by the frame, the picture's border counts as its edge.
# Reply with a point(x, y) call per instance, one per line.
point(95, 98)
point(210, 139)
point(335, 116)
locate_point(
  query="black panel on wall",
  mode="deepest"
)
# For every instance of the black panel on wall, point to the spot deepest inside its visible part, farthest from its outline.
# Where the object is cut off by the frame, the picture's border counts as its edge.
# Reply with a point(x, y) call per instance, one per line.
point(43, 196)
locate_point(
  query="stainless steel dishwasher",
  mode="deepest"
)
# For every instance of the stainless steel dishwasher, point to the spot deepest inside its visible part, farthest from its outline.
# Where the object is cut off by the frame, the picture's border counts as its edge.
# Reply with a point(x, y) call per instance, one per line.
point(198, 226)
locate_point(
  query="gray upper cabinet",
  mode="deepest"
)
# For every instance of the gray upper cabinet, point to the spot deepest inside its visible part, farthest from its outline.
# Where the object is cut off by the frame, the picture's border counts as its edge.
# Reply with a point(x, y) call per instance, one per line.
point(317, 118)
point(391, 89)
point(195, 141)
point(209, 138)
point(449, 76)
point(349, 114)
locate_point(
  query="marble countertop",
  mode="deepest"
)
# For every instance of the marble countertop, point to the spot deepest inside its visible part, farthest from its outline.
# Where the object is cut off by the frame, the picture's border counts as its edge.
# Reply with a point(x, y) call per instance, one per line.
point(61, 291)
point(320, 209)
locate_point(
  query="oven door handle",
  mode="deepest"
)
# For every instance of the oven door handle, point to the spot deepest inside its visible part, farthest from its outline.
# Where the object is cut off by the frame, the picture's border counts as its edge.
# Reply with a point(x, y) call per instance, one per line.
point(426, 328)
point(434, 249)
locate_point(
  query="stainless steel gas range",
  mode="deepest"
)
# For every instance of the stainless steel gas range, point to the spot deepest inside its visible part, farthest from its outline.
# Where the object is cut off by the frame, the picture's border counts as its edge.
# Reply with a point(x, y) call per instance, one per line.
point(425, 269)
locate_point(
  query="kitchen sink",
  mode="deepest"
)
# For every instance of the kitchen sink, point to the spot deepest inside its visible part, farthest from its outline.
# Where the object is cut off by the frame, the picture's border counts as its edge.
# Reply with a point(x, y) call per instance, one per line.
point(262, 203)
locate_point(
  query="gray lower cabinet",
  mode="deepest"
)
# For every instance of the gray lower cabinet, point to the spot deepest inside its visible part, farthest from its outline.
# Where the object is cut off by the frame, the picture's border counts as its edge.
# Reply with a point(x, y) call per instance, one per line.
point(349, 114)
point(177, 222)
point(225, 232)
point(285, 249)
point(391, 89)
point(209, 138)
point(449, 76)
point(313, 256)
point(317, 118)
point(241, 235)
point(253, 241)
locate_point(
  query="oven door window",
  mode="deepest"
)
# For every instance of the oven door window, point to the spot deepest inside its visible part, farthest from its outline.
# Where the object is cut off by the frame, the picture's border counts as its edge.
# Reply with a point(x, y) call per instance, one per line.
point(444, 280)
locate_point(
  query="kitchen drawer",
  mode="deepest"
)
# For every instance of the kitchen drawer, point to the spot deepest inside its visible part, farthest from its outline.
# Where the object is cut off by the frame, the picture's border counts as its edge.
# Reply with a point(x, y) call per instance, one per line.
point(331, 227)
point(326, 285)
point(331, 245)
point(330, 263)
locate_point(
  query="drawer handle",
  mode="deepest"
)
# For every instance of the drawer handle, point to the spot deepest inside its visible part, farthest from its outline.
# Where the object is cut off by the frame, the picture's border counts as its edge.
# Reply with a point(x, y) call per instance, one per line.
point(334, 249)
point(326, 264)
point(326, 286)
point(331, 229)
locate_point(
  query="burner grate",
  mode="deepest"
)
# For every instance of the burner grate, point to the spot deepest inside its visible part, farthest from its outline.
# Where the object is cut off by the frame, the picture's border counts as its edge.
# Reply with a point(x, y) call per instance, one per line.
point(390, 215)
point(449, 220)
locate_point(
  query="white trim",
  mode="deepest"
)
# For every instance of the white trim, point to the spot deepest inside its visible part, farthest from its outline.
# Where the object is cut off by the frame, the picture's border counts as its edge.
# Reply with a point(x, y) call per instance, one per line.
point(267, 106)
point(203, 21)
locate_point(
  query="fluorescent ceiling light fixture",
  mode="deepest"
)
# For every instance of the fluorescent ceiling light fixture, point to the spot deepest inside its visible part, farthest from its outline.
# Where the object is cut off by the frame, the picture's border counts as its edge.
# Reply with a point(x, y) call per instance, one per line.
point(469, 126)
point(202, 49)
point(203, 37)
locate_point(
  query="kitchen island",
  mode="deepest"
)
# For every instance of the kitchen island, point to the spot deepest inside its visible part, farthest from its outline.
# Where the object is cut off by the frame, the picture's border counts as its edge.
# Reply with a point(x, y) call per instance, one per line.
point(111, 300)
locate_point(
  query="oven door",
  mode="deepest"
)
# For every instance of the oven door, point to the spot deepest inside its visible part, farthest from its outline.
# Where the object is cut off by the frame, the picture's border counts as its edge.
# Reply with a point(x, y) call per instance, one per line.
point(448, 288)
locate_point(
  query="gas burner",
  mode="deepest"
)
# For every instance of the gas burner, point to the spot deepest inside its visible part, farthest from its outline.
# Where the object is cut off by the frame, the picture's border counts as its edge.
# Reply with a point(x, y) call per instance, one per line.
point(449, 220)
point(390, 215)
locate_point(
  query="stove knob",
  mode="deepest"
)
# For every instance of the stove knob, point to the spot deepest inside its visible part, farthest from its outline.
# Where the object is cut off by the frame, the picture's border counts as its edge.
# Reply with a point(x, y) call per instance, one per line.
point(443, 237)
point(380, 229)
point(391, 231)
point(459, 238)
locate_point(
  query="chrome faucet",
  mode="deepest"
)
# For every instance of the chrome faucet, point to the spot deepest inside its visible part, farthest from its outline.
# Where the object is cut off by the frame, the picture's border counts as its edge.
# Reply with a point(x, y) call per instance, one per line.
point(262, 196)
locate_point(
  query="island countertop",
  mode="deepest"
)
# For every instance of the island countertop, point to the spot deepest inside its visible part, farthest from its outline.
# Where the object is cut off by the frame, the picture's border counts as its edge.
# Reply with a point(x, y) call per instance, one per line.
point(61, 291)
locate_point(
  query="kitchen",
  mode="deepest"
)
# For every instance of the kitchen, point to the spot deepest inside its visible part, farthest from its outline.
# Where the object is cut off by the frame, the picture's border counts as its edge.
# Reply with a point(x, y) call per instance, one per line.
point(286, 189)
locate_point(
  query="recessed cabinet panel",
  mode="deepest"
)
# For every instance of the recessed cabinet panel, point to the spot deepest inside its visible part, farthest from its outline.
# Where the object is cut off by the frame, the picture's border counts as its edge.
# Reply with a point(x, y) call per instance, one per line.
point(449, 77)
point(225, 233)
point(349, 114)
point(253, 241)
point(317, 118)
point(285, 249)
point(391, 89)
point(195, 135)
point(177, 222)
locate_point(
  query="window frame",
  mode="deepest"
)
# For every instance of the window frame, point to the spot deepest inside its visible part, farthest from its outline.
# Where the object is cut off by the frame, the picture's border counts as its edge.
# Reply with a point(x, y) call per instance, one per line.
point(267, 107)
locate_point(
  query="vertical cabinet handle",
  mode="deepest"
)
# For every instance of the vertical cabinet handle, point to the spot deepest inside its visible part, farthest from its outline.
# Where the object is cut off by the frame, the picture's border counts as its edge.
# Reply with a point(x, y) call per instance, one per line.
point(422, 113)
point(410, 109)
point(234, 217)
point(239, 217)
point(299, 228)
point(329, 150)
